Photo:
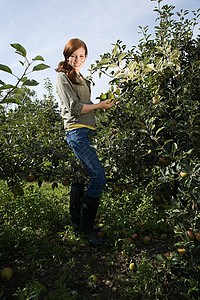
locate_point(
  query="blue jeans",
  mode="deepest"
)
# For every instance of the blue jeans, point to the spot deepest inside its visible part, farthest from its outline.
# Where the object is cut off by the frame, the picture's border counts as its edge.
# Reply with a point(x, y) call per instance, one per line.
point(80, 142)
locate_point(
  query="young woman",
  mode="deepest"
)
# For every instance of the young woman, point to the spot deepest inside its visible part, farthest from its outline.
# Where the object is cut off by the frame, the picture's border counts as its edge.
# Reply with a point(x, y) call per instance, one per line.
point(79, 122)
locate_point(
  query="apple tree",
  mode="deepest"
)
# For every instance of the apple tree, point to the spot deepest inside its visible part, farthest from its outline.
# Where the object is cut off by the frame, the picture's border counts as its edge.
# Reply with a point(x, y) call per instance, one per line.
point(151, 137)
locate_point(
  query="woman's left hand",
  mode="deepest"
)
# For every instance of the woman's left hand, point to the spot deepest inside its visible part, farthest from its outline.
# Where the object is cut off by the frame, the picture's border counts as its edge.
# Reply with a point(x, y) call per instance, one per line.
point(106, 103)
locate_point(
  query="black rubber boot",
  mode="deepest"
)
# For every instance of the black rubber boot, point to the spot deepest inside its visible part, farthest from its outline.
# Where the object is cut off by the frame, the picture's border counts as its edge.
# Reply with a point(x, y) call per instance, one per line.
point(75, 206)
point(89, 208)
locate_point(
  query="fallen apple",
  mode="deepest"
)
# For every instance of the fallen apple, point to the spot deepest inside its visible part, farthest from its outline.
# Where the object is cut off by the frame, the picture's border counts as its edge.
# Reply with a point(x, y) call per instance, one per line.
point(30, 177)
point(94, 278)
point(132, 266)
point(182, 251)
point(6, 274)
point(147, 239)
point(117, 189)
point(74, 249)
point(183, 174)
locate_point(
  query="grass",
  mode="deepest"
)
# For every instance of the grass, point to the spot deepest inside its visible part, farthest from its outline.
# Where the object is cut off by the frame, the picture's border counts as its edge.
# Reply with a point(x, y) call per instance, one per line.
point(36, 241)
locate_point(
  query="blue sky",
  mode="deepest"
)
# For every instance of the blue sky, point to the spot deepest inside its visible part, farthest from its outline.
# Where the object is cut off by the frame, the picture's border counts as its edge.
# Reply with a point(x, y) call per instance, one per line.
point(44, 26)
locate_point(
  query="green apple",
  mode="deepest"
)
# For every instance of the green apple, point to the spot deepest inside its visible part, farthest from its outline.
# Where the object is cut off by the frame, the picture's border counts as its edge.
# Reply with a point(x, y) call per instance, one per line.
point(103, 97)
point(117, 91)
point(94, 278)
point(6, 274)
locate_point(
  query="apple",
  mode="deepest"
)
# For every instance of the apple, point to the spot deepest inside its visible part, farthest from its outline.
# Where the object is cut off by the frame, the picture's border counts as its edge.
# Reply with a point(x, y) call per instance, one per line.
point(183, 174)
point(198, 236)
point(117, 189)
point(6, 274)
point(94, 278)
point(191, 235)
point(147, 239)
point(101, 234)
point(182, 251)
point(117, 91)
point(74, 249)
point(103, 97)
point(162, 161)
point(30, 177)
point(111, 96)
point(132, 266)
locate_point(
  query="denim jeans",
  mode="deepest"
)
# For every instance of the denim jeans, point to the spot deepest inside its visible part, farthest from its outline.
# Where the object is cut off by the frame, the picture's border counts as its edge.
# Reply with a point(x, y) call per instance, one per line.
point(80, 141)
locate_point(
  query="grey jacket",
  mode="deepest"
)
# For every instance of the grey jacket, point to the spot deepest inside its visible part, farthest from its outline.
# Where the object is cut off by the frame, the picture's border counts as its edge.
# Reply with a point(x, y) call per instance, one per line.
point(72, 97)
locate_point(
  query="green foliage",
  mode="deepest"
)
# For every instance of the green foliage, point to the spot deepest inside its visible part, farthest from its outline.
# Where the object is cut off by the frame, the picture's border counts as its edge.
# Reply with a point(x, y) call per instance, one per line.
point(152, 135)
point(33, 140)
point(12, 92)
point(33, 290)
point(34, 213)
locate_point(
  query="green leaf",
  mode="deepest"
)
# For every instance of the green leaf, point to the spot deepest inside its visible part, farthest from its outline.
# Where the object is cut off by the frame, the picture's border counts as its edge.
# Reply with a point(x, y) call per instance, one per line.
point(38, 57)
point(24, 78)
point(159, 130)
point(19, 49)
point(11, 100)
point(5, 69)
point(7, 86)
point(121, 56)
point(161, 257)
point(115, 50)
point(149, 67)
point(40, 67)
point(30, 82)
point(105, 61)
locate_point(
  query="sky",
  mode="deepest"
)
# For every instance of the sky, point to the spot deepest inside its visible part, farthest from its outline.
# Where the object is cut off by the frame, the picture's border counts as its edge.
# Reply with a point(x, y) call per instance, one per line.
point(43, 27)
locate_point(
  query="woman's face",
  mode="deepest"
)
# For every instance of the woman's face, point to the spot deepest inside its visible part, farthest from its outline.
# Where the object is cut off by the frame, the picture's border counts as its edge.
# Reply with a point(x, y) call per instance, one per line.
point(77, 59)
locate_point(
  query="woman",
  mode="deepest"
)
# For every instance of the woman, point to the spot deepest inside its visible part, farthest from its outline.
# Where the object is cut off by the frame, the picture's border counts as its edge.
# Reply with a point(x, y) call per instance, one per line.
point(79, 122)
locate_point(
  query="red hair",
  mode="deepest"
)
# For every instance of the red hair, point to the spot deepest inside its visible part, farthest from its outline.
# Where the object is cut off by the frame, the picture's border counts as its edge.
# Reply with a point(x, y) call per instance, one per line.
point(63, 66)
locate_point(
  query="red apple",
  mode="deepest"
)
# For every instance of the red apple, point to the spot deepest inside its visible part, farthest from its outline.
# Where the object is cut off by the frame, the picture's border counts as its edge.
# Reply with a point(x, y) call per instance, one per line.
point(191, 235)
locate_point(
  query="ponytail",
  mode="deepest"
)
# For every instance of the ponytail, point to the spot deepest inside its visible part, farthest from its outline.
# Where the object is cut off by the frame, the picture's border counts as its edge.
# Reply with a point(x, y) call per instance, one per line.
point(65, 67)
